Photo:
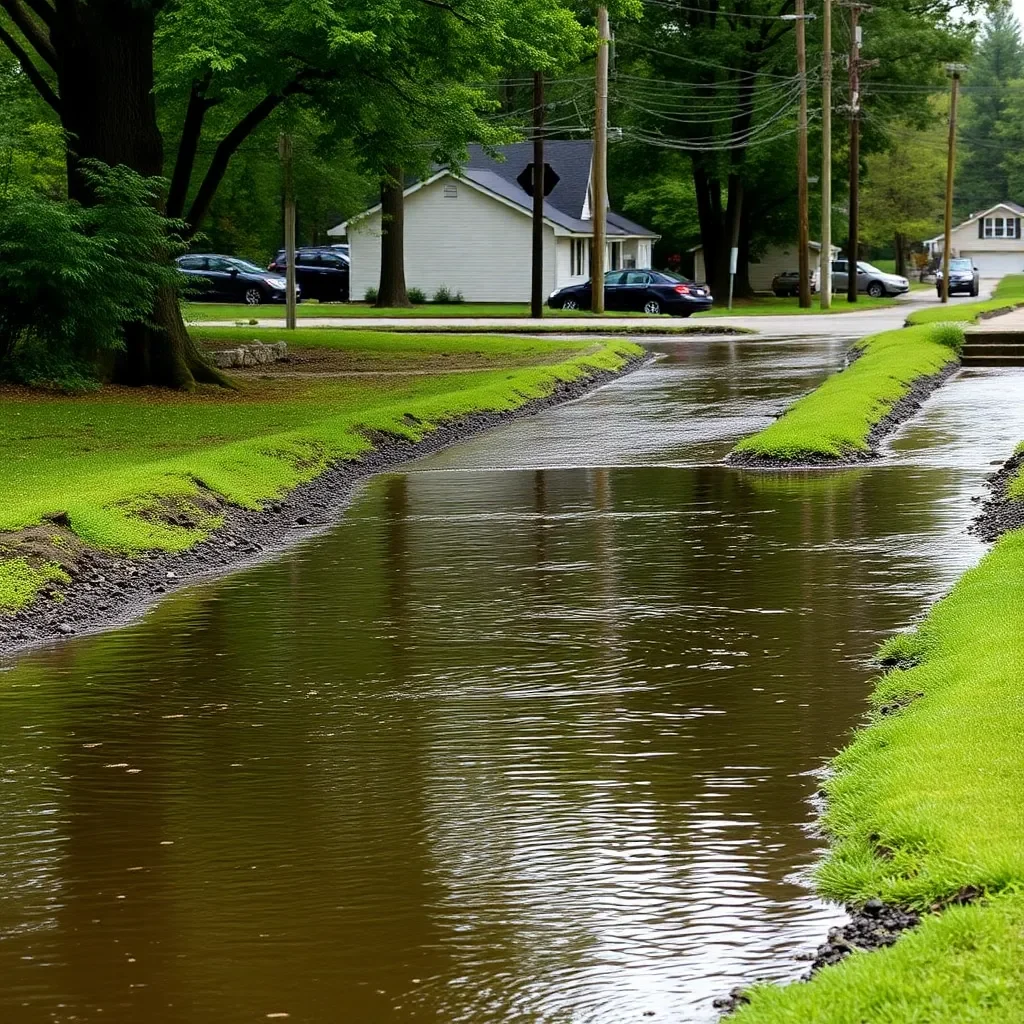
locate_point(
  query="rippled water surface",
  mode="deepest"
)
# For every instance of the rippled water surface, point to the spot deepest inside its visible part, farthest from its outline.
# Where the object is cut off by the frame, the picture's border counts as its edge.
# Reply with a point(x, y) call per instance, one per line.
point(531, 736)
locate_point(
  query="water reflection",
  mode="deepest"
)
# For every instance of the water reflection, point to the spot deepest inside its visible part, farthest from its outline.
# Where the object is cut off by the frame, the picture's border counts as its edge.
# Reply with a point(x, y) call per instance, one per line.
point(529, 744)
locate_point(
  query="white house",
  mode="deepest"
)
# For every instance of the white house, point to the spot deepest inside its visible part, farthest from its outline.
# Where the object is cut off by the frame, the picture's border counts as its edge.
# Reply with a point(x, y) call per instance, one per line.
point(774, 260)
point(992, 239)
point(471, 231)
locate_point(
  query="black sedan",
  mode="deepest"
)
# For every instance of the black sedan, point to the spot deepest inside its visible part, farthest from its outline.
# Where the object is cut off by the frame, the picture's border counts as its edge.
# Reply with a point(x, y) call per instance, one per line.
point(963, 278)
point(644, 291)
point(214, 278)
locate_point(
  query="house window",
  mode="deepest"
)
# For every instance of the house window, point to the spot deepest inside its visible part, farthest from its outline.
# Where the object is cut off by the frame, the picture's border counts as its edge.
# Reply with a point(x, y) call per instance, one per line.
point(578, 260)
point(451, 191)
point(1001, 227)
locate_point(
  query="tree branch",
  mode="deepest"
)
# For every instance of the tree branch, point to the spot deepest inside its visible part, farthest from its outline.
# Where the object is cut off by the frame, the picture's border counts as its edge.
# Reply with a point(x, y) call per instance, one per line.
point(191, 130)
point(43, 11)
point(32, 73)
point(450, 9)
point(225, 151)
point(31, 31)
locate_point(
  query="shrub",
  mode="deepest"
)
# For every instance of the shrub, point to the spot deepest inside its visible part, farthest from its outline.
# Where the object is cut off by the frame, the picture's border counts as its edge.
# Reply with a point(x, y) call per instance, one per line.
point(370, 295)
point(417, 296)
point(457, 298)
point(950, 335)
point(442, 295)
point(72, 276)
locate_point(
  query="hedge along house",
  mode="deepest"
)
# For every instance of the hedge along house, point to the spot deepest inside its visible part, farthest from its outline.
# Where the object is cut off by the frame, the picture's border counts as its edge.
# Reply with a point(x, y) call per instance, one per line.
point(992, 239)
point(470, 230)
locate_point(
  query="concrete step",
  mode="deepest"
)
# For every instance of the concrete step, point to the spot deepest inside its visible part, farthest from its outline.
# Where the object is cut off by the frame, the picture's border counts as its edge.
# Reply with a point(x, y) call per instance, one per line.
point(975, 359)
point(976, 336)
point(976, 348)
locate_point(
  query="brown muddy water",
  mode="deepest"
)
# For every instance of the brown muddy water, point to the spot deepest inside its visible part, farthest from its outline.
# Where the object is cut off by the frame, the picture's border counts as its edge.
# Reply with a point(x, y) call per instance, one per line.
point(530, 736)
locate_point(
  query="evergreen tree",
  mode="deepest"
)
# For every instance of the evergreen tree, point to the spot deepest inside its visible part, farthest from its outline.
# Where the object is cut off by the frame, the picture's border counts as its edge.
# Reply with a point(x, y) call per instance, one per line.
point(982, 176)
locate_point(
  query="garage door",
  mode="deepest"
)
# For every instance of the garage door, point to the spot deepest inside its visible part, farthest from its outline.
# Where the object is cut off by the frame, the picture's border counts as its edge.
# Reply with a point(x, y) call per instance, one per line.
point(996, 264)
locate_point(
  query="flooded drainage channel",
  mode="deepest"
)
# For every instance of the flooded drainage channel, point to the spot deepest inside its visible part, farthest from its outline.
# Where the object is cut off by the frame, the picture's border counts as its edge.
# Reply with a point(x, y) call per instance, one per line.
point(531, 736)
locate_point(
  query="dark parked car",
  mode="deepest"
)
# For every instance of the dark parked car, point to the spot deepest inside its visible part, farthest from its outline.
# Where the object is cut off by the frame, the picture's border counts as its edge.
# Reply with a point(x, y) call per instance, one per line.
point(963, 278)
point(787, 283)
point(647, 291)
point(321, 271)
point(213, 278)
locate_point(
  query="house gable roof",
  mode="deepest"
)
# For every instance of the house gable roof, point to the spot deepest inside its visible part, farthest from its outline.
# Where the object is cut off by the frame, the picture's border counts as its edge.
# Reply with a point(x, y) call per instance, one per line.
point(564, 205)
point(1014, 208)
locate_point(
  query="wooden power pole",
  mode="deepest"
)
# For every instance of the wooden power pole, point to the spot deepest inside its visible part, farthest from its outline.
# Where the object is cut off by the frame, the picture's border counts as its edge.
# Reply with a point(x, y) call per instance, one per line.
point(537, 289)
point(825, 271)
point(803, 231)
point(853, 245)
point(288, 183)
point(599, 192)
point(947, 237)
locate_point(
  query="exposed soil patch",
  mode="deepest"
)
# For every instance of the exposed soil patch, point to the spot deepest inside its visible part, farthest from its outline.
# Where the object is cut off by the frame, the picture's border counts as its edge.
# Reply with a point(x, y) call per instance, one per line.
point(999, 513)
point(902, 411)
point(107, 590)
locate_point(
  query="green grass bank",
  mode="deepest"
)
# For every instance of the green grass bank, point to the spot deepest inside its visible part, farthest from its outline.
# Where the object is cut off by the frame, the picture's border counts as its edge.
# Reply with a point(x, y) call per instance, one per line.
point(838, 420)
point(1009, 294)
point(924, 810)
point(128, 470)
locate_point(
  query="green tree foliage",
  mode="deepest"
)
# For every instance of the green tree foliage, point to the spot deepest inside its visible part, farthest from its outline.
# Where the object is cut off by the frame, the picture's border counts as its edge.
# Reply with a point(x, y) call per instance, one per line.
point(990, 109)
point(74, 275)
point(127, 77)
point(903, 197)
point(718, 84)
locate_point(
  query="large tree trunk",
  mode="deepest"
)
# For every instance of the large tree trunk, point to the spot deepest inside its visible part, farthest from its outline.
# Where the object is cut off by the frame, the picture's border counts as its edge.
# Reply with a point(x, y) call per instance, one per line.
point(105, 79)
point(718, 229)
point(392, 292)
point(900, 245)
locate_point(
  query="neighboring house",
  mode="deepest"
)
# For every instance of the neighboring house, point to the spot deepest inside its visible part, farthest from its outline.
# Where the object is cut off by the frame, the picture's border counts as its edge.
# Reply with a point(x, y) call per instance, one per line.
point(774, 260)
point(992, 239)
point(471, 231)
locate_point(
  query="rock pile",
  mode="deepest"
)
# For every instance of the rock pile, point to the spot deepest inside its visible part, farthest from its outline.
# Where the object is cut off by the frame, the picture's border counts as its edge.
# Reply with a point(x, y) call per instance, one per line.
point(254, 354)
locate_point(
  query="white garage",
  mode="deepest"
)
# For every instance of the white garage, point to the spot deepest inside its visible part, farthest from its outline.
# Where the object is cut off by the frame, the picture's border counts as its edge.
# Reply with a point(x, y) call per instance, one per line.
point(996, 264)
point(993, 238)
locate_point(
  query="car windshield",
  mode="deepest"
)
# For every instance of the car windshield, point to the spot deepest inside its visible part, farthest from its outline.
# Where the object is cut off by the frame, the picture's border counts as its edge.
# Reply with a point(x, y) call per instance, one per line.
point(961, 265)
point(245, 265)
point(869, 269)
point(672, 276)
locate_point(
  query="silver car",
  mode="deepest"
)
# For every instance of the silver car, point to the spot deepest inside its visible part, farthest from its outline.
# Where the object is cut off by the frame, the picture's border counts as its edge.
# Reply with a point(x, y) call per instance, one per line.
point(870, 280)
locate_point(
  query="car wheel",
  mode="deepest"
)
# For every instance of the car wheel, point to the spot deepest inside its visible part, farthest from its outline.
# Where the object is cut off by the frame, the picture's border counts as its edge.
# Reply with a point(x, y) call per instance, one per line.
point(570, 304)
point(876, 289)
point(652, 306)
point(253, 296)
point(974, 291)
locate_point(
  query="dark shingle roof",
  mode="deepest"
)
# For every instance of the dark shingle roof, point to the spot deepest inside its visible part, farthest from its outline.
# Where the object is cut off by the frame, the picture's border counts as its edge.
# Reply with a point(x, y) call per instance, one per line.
point(569, 159)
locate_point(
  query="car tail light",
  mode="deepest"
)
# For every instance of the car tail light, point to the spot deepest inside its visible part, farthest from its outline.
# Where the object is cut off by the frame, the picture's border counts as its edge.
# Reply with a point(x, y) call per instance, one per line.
point(683, 289)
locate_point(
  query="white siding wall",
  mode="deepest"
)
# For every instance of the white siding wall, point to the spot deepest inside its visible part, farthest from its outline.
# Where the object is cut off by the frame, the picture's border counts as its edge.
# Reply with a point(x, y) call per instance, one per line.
point(774, 260)
point(471, 244)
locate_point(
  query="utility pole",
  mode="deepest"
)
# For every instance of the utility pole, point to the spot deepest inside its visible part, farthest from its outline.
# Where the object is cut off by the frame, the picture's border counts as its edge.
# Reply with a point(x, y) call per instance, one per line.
point(537, 290)
point(825, 272)
point(853, 245)
point(947, 242)
point(285, 149)
point(803, 232)
point(599, 197)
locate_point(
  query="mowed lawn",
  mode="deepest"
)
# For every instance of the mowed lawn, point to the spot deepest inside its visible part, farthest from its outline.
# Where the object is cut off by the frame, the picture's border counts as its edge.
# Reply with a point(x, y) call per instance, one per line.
point(115, 460)
point(761, 305)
